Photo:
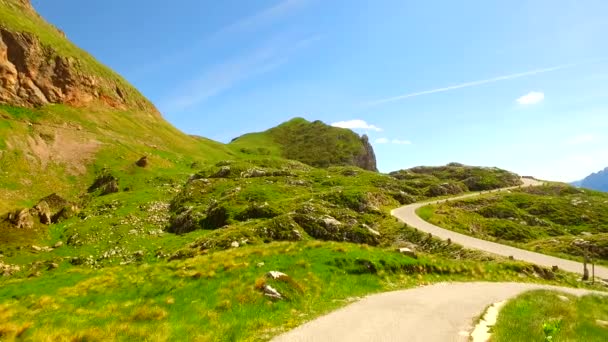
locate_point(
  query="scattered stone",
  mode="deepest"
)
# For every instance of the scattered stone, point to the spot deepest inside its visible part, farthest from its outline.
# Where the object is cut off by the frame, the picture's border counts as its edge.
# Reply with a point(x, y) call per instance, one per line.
point(8, 270)
point(331, 222)
point(138, 254)
point(371, 230)
point(44, 212)
point(276, 275)
point(586, 234)
point(253, 173)
point(563, 298)
point(260, 264)
point(106, 184)
point(53, 266)
point(223, 172)
point(601, 323)
point(58, 244)
point(408, 252)
point(142, 162)
point(234, 244)
point(36, 248)
point(22, 219)
point(269, 291)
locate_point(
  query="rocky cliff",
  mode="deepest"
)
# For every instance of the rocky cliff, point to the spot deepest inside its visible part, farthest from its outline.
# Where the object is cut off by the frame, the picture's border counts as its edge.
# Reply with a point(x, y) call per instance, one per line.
point(367, 158)
point(35, 70)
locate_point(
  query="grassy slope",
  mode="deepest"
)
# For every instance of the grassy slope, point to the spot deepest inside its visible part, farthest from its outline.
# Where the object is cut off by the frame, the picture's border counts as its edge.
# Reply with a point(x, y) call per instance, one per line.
point(313, 143)
point(113, 266)
point(217, 296)
point(546, 219)
point(120, 138)
point(522, 318)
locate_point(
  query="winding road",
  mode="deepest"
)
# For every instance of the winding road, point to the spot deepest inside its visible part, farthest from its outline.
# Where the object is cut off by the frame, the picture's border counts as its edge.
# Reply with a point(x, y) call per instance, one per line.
point(440, 312)
point(407, 215)
point(437, 313)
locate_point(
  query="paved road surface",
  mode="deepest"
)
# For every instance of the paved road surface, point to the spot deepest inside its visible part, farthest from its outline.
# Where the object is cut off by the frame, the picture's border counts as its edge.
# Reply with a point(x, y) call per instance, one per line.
point(441, 312)
point(407, 214)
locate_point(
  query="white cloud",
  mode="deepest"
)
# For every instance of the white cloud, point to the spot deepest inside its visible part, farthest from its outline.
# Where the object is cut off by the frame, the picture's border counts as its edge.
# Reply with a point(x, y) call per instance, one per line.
point(219, 78)
point(356, 124)
point(531, 98)
point(393, 141)
point(472, 84)
point(580, 139)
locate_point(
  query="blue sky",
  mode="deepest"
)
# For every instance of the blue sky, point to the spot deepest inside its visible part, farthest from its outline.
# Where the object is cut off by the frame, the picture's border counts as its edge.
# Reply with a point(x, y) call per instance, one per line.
point(521, 85)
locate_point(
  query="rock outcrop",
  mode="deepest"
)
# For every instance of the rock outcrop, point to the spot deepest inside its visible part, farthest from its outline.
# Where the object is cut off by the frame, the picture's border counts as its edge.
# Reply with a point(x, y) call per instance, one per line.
point(36, 69)
point(367, 158)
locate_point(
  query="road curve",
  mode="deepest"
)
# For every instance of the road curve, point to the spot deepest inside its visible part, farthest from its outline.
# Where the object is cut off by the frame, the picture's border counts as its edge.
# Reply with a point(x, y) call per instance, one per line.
point(407, 214)
point(441, 312)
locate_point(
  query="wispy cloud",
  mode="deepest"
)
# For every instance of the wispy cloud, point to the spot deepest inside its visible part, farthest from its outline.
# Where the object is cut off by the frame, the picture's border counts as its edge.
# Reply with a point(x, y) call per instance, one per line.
point(531, 98)
point(356, 124)
point(472, 84)
point(261, 18)
point(224, 76)
point(393, 141)
point(248, 24)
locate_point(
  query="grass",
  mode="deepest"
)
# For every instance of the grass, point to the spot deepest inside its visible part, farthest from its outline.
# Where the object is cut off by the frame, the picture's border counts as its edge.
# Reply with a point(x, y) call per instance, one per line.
point(552, 219)
point(217, 296)
point(536, 315)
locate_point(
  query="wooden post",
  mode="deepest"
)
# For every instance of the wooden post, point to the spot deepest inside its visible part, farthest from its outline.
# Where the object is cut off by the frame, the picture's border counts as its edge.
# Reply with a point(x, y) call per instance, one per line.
point(585, 270)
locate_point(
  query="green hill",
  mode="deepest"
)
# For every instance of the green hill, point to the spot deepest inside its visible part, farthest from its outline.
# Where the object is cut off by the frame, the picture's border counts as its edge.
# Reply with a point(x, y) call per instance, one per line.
point(312, 143)
point(114, 225)
point(554, 219)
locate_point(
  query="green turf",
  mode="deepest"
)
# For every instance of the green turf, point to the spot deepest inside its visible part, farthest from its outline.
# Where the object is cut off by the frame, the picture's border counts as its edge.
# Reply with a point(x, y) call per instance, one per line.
point(552, 316)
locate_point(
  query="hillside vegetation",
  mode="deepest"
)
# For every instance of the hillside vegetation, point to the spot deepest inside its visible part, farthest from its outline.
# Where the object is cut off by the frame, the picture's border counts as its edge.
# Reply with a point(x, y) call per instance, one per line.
point(554, 219)
point(455, 178)
point(115, 225)
point(312, 143)
point(553, 316)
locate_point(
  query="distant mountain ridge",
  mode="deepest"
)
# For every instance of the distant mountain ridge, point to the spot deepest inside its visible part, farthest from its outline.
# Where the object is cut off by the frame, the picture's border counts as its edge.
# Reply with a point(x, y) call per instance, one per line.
point(596, 181)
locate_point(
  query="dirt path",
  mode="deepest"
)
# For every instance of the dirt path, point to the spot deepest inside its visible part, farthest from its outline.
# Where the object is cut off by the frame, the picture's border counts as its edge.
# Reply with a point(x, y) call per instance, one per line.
point(407, 214)
point(441, 312)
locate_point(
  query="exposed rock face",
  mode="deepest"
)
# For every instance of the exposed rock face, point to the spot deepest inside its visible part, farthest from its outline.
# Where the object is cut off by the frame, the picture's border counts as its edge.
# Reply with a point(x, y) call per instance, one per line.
point(367, 159)
point(32, 74)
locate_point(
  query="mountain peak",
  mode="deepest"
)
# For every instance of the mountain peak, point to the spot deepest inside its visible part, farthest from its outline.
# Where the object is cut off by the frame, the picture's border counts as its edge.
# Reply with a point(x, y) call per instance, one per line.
point(314, 143)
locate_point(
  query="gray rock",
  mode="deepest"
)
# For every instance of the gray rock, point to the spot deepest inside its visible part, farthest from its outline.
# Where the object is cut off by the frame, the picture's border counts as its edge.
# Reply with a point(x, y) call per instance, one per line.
point(408, 252)
point(223, 172)
point(271, 292)
point(234, 244)
point(58, 244)
point(276, 275)
point(331, 222)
